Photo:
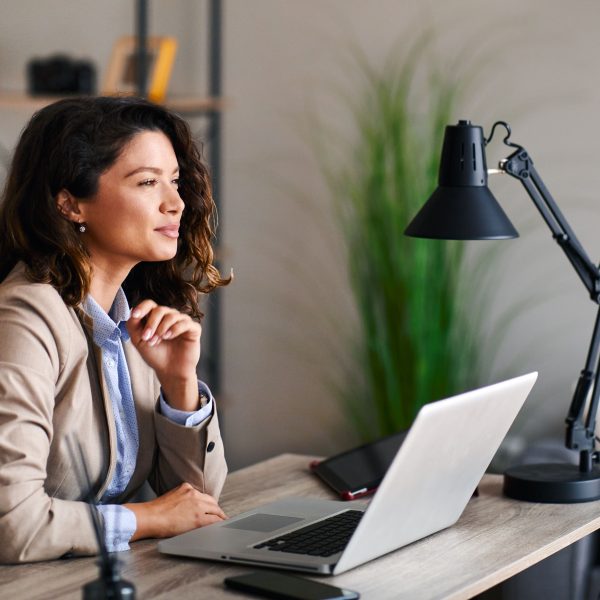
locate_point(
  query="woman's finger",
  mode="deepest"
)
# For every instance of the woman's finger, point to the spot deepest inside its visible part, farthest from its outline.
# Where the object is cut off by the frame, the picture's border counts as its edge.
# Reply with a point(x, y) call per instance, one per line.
point(183, 326)
point(168, 320)
point(211, 504)
point(153, 320)
point(142, 309)
point(209, 519)
point(215, 509)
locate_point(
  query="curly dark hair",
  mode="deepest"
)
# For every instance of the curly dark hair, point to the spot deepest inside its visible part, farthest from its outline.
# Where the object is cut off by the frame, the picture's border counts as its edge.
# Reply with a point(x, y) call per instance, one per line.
point(67, 146)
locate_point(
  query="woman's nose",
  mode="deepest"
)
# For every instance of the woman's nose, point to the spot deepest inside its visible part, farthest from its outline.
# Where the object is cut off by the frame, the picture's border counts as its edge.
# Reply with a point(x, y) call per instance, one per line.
point(172, 202)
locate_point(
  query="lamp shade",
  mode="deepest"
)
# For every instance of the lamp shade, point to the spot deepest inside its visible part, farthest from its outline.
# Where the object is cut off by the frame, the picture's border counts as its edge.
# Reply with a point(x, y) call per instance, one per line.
point(462, 207)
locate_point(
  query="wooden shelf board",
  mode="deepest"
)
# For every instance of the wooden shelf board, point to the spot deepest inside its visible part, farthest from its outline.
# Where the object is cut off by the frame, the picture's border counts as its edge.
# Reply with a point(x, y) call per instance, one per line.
point(181, 104)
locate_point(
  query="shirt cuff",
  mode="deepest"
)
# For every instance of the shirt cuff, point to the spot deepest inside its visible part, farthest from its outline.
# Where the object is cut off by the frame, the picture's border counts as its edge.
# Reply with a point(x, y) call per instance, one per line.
point(119, 525)
point(189, 419)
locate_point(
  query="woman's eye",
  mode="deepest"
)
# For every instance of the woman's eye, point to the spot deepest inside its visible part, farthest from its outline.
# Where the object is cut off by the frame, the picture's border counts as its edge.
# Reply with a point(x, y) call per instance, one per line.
point(148, 182)
point(175, 181)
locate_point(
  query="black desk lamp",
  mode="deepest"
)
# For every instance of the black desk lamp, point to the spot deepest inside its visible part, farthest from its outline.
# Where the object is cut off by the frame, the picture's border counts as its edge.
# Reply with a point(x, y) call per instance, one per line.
point(463, 208)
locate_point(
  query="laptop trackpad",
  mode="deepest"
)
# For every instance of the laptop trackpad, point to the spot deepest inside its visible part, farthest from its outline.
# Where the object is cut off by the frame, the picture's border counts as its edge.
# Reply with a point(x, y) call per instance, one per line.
point(263, 522)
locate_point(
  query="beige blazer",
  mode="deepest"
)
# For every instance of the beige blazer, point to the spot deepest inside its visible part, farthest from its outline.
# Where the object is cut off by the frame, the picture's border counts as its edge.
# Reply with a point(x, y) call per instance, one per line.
point(52, 386)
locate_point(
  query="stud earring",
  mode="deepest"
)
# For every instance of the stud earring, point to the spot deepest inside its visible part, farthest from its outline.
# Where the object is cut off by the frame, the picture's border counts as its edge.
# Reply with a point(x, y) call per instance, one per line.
point(81, 228)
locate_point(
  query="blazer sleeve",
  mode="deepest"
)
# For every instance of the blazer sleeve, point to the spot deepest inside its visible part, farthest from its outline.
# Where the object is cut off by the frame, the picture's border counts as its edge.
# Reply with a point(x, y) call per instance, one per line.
point(33, 525)
point(192, 454)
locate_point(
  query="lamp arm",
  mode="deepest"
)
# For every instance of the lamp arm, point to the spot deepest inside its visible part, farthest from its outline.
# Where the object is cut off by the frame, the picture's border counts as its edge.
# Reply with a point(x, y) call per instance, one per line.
point(580, 434)
point(520, 166)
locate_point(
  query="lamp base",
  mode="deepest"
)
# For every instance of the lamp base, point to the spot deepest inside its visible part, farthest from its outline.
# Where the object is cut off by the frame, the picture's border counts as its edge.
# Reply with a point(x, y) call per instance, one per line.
point(558, 483)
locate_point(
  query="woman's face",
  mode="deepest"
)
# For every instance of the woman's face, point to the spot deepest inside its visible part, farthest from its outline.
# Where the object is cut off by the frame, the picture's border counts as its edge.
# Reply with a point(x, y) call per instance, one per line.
point(135, 214)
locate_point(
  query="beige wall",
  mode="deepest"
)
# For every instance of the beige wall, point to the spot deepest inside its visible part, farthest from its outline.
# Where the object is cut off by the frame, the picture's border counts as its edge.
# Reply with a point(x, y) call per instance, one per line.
point(288, 318)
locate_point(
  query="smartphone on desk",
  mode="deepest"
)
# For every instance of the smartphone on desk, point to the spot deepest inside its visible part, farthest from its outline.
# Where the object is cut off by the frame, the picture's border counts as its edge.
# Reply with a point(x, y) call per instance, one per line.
point(359, 471)
point(271, 584)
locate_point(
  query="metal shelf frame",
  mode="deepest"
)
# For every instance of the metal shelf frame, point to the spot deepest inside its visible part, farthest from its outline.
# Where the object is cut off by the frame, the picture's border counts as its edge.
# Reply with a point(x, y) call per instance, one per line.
point(212, 356)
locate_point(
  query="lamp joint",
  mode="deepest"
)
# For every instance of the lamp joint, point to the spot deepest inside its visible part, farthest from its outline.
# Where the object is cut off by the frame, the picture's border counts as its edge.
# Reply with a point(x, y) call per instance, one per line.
point(578, 438)
point(517, 164)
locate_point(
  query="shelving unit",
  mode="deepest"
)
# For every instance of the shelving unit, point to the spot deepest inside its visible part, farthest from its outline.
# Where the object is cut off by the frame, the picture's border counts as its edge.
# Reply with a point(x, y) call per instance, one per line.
point(209, 108)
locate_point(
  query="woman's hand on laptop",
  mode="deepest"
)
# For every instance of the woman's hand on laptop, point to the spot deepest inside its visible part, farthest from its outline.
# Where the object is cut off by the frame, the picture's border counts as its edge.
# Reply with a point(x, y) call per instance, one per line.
point(179, 510)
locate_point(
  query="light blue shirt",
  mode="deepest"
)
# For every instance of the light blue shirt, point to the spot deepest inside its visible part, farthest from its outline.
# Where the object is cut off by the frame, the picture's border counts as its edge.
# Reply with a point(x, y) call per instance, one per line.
point(109, 333)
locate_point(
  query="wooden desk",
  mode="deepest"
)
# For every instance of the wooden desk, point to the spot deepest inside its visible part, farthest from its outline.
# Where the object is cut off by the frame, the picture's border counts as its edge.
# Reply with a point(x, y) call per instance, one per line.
point(494, 539)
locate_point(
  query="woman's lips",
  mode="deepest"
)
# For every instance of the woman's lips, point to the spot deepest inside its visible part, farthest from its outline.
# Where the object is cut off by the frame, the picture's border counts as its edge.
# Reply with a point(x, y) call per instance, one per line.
point(170, 231)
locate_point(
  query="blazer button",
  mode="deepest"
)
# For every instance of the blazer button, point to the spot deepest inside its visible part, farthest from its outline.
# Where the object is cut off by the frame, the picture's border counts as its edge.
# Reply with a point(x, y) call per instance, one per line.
point(210, 447)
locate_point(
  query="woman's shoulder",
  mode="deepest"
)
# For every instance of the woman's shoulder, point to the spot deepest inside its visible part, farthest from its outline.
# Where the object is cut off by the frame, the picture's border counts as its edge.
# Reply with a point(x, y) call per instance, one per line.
point(18, 281)
point(39, 329)
point(34, 313)
point(18, 290)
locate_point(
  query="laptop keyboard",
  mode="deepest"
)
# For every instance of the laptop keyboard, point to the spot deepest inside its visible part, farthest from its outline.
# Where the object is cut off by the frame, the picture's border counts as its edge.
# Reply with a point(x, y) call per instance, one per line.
point(323, 538)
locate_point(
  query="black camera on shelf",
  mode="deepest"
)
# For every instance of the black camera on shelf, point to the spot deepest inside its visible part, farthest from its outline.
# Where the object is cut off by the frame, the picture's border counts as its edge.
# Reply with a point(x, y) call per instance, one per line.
point(60, 75)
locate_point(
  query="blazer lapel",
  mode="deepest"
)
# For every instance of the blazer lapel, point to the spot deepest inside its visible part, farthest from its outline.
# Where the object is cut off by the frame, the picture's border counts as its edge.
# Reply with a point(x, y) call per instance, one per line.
point(96, 357)
point(145, 392)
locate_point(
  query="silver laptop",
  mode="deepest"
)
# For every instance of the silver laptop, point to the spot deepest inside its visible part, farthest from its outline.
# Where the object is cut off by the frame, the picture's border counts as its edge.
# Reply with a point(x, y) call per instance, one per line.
point(425, 489)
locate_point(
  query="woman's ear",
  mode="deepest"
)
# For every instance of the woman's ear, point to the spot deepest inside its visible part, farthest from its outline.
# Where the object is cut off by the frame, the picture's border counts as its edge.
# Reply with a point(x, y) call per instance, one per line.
point(68, 206)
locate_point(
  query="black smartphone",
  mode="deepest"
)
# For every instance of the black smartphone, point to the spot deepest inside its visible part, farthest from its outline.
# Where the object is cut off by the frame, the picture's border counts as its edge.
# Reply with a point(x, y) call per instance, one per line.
point(270, 584)
point(359, 471)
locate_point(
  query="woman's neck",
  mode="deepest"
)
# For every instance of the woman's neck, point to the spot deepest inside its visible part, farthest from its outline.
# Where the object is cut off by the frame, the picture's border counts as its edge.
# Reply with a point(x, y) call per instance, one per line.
point(104, 285)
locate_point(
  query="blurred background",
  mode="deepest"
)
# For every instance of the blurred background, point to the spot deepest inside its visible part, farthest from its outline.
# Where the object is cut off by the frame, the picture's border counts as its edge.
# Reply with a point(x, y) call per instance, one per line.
point(289, 320)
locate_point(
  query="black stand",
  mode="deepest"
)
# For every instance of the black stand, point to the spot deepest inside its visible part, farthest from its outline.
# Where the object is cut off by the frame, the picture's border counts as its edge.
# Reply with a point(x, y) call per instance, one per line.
point(109, 586)
point(562, 483)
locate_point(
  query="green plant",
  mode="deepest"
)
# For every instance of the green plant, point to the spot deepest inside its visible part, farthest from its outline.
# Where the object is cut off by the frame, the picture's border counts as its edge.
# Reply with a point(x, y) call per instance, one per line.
point(416, 343)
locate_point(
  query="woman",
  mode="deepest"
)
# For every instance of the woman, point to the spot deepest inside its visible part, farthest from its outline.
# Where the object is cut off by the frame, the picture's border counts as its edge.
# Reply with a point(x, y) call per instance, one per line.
point(107, 206)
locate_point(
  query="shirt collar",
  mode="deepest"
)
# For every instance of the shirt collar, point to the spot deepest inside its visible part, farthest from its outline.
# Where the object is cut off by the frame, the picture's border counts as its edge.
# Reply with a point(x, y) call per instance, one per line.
point(109, 326)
